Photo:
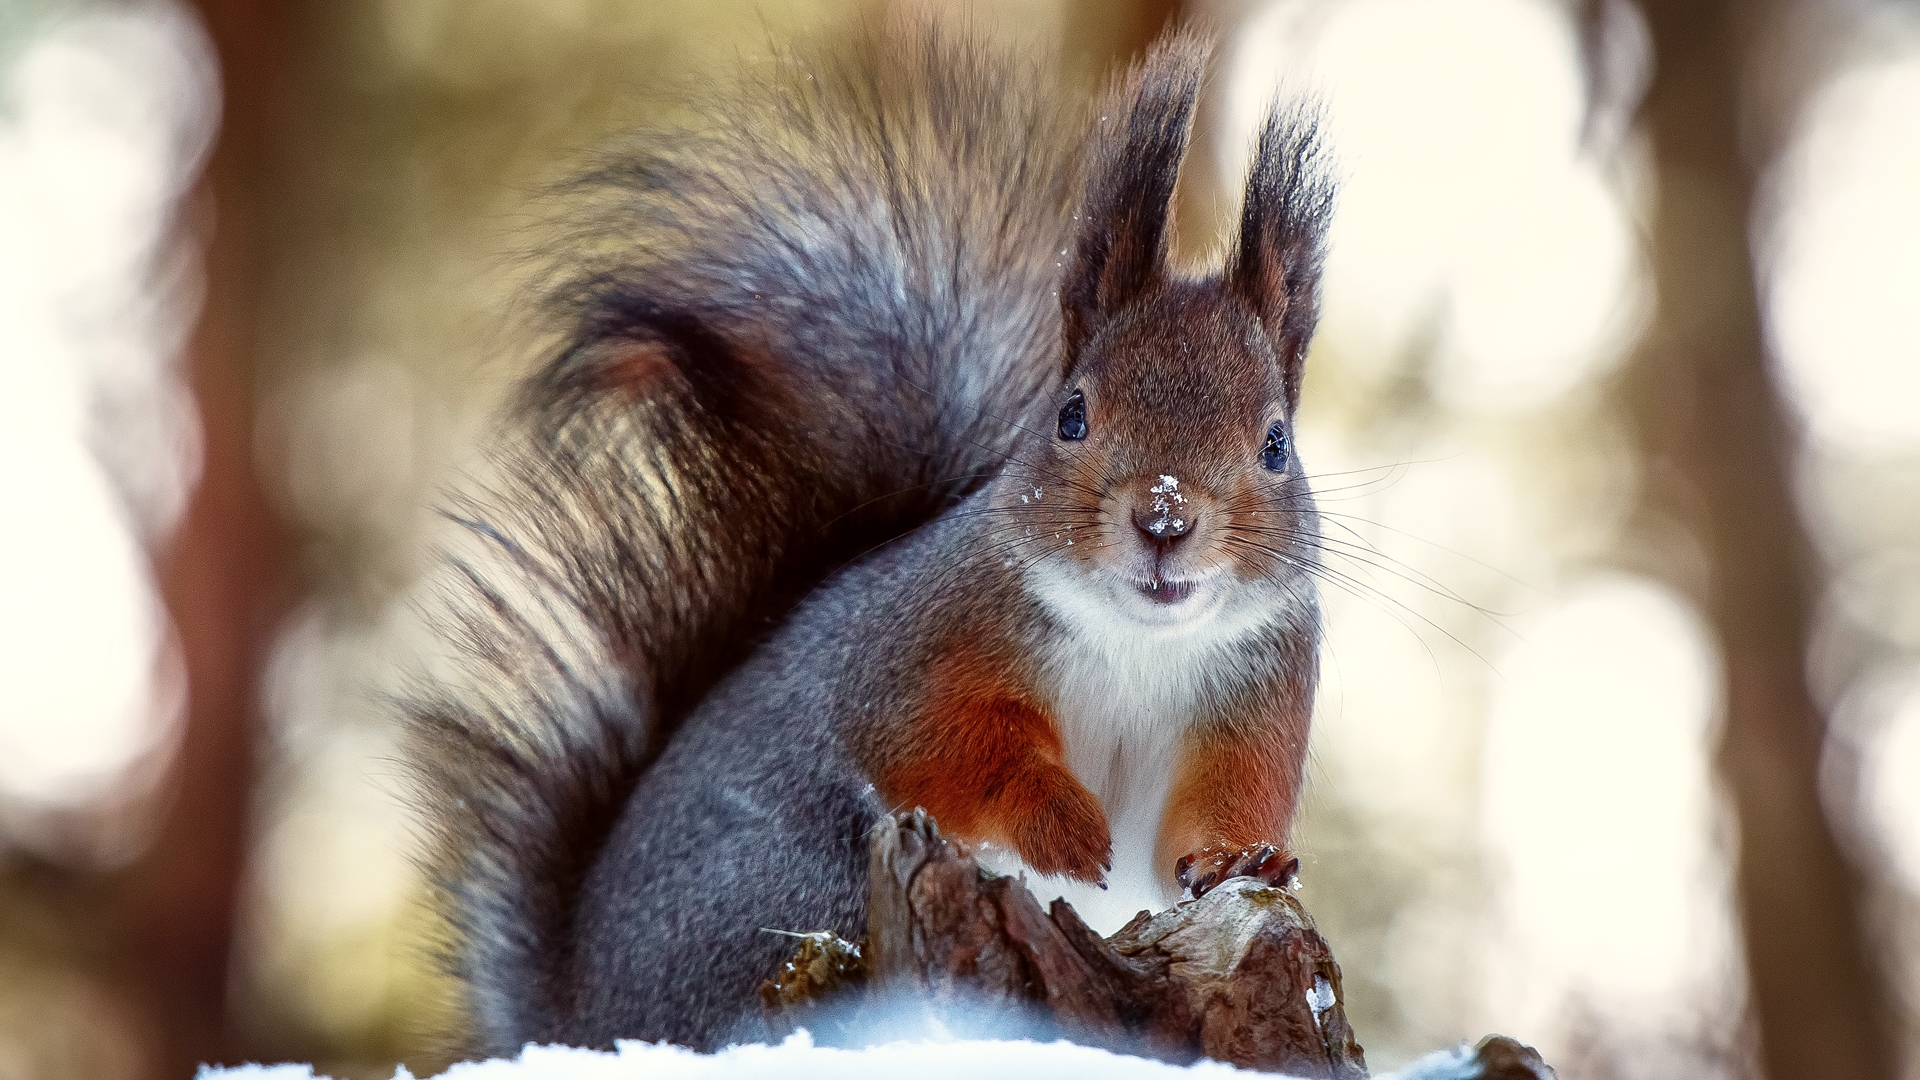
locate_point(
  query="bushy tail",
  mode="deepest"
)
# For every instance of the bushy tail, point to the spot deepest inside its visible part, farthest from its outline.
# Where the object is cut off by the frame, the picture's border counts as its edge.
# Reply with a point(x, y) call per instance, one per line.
point(797, 329)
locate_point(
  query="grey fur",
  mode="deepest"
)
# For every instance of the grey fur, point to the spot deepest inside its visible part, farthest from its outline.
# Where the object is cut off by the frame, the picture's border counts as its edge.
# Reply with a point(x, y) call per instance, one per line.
point(836, 285)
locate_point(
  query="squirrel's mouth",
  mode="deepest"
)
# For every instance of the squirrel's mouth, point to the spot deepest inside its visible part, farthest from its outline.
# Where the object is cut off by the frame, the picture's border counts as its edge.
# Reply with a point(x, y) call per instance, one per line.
point(1166, 592)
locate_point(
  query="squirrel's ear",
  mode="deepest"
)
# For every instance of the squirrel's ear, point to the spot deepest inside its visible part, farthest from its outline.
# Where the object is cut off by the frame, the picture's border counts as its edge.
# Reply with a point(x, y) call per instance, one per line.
point(1275, 264)
point(1120, 246)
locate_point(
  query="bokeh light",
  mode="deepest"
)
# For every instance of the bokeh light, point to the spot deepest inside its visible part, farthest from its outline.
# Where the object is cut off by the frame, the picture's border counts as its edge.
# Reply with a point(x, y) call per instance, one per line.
point(1600, 810)
point(1844, 266)
point(1470, 220)
point(104, 120)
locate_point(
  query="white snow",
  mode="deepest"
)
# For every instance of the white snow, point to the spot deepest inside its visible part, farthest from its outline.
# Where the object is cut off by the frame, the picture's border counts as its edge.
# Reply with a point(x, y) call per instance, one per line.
point(1321, 997)
point(799, 1059)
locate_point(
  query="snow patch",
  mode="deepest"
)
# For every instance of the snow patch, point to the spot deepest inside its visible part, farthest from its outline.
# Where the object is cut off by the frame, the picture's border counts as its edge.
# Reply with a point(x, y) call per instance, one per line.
point(1166, 496)
point(798, 1059)
point(1321, 997)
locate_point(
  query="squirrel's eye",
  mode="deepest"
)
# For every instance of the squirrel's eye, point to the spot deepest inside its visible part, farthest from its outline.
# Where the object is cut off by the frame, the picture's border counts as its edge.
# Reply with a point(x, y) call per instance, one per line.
point(1073, 417)
point(1274, 454)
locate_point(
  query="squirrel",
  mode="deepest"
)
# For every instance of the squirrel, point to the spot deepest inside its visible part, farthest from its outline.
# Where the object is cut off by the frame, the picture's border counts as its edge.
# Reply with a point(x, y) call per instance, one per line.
point(886, 462)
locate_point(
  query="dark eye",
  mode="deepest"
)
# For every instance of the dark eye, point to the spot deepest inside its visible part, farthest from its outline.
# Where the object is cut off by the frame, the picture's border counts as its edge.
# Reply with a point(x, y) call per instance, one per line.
point(1073, 417)
point(1274, 454)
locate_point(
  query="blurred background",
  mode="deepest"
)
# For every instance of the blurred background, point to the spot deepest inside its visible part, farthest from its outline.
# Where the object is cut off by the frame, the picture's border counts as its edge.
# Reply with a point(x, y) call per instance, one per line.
point(1616, 404)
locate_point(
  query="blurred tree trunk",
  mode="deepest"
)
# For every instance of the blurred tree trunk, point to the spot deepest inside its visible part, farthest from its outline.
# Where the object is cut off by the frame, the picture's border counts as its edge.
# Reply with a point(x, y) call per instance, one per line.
point(1721, 453)
point(225, 577)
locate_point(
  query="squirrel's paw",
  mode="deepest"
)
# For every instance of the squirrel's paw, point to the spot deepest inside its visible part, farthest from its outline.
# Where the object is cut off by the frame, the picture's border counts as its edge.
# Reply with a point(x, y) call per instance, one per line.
point(1201, 871)
point(1067, 834)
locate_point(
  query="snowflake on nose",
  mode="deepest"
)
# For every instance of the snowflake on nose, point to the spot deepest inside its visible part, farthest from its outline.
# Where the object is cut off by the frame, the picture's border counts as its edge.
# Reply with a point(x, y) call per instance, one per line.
point(1166, 496)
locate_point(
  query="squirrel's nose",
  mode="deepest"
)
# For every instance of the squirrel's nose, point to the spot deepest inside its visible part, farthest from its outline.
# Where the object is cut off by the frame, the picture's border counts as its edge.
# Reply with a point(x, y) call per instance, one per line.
point(1163, 514)
point(1163, 525)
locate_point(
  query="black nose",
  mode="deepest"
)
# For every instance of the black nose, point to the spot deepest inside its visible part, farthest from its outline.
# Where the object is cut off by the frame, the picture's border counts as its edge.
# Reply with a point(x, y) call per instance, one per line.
point(1163, 524)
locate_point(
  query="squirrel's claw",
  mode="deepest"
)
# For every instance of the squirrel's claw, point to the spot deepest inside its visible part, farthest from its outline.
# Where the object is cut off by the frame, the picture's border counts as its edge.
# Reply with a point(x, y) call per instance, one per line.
point(1201, 872)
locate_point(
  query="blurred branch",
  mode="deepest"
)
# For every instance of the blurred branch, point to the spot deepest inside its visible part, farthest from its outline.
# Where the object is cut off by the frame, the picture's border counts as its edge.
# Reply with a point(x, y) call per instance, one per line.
point(1722, 450)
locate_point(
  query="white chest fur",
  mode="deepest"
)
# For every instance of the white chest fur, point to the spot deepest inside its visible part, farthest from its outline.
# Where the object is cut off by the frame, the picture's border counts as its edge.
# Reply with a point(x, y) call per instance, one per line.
point(1124, 696)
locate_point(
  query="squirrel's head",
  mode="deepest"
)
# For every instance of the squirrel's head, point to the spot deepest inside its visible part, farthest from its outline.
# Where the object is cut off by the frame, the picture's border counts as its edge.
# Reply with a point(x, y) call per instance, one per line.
point(1169, 486)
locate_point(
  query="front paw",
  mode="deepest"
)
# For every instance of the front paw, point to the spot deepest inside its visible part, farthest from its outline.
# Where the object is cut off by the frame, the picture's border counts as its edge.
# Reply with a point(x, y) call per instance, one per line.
point(1201, 871)
point(1067, 834)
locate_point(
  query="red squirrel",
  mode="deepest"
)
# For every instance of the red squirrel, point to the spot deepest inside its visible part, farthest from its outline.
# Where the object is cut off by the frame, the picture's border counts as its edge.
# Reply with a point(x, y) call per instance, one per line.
point(886, 463)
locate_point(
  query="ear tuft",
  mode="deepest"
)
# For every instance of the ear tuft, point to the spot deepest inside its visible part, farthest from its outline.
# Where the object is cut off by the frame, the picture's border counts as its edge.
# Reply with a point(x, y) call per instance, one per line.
point(1276, 261)
point(1121, 244)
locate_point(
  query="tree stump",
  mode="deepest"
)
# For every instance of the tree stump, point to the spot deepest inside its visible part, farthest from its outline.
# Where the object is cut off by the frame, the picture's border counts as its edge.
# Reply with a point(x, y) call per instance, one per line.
point(1239, 976)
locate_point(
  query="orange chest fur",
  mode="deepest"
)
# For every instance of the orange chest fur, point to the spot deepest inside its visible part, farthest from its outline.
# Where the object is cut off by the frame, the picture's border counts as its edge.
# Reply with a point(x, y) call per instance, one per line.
point(996, 760)
point(970, 748)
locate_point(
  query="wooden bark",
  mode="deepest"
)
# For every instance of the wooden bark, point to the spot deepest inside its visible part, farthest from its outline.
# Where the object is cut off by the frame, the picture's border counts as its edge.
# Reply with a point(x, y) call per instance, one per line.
point(1239, 976)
